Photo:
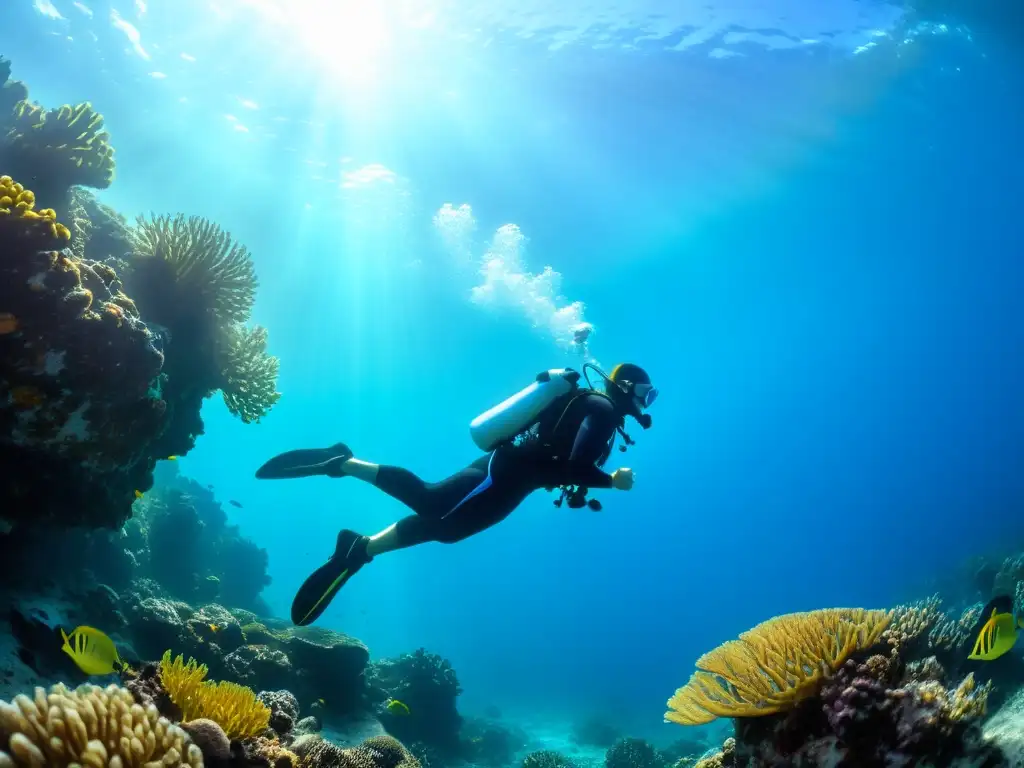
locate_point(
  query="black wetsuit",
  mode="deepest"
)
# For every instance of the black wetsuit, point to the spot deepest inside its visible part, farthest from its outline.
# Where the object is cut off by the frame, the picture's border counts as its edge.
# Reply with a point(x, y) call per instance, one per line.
point(489, 489)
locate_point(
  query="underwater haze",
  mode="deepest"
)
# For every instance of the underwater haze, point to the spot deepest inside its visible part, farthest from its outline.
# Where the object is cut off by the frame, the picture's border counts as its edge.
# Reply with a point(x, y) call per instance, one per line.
point(801, 218)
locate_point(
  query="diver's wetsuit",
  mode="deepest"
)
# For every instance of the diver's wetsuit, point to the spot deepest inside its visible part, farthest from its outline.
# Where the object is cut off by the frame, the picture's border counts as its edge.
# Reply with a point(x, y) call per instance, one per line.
point(489, 489)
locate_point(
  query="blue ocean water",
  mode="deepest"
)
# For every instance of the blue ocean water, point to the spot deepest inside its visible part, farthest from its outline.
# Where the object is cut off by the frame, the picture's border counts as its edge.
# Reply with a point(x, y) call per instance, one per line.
point(803, 221)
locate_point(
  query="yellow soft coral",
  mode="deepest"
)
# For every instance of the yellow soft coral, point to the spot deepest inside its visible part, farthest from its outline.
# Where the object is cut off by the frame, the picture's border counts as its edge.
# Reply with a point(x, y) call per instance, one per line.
point(90, 726)
point(233, 707)
point(17, 210)
point(774, 665)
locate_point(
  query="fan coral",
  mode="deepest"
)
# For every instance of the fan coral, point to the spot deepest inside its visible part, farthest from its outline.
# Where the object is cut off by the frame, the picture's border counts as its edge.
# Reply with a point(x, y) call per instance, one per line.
point(90, 726)
point(79, 398)
point(203, 262)
point(774, 665)
point(250, 374)
point(59, 148)
point(233, 707)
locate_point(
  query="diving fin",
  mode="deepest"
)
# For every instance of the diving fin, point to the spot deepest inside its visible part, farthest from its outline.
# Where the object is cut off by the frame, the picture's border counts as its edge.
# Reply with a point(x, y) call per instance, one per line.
point(323, 584)
point(305, 462)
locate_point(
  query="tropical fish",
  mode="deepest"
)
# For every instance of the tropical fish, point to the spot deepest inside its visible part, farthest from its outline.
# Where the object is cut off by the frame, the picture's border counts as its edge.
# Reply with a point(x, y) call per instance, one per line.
point(8, 323)
point(172, 458)
point(139, 494)
point(214, 627)
point(395, 707)
point(996, 630)
point(235, 503)
point(91, 650)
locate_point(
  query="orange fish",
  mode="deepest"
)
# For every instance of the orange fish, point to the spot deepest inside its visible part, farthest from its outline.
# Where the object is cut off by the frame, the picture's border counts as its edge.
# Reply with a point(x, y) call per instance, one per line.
point(26, 397)
point(8, 323)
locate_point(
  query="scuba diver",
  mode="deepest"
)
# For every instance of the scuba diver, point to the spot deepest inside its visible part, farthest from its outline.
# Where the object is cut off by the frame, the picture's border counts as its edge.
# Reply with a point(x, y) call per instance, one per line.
point(552, 434)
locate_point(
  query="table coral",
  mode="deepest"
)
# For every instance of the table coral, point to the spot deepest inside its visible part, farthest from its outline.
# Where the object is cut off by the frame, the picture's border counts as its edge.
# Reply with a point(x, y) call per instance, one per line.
point(79, 391)
point(57, 148)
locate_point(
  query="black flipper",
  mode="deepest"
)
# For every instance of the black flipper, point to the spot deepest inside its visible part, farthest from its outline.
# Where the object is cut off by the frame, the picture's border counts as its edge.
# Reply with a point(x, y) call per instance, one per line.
point(305, 462)
point(323, 584)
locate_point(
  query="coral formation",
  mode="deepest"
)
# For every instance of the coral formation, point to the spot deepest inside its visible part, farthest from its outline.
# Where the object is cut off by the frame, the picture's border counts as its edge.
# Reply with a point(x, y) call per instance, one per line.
point(233, 707)
point(633, 753)
point(195, 285)
point(57, 148)
point(427, 684)
point(377, 752)
point(78, 407)
point(249, 384)
point(547, 758)
point(95, 390)
point(90, 726)
point(774, 665)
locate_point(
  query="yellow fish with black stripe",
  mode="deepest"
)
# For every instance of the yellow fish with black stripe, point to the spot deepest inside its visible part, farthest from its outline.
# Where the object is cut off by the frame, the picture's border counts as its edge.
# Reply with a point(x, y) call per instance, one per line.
point(996, 630)
point(91, 650)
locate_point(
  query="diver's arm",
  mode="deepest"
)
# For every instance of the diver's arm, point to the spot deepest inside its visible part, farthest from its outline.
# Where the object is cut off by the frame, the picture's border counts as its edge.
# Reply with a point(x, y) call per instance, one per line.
point(595, 432)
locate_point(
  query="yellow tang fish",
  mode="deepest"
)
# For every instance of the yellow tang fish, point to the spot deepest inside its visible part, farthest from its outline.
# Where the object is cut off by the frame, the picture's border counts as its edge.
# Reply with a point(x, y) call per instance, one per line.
point(395, 707)
point(91, 650)
point(139, 494)
point(996, 630)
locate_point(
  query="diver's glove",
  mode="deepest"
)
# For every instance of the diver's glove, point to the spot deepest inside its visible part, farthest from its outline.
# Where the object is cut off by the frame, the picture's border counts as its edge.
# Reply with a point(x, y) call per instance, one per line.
point(622, 479)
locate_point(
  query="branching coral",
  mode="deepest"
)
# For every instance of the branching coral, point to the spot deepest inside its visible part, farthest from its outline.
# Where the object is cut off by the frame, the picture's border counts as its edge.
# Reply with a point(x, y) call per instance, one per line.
point(79, 398)
point(249, 385)
point(205, 264)
point(234, 708)
point(774, 665)
point(90, 726)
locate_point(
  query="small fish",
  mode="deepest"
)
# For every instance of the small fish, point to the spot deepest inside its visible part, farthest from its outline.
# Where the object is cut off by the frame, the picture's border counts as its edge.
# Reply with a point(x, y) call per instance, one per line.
point(235, 503)
point(91, 650)
point(996, 630)
point(139, 494)
point(395, 707)
point(8, 323)
point(172, 458)
point(214, 627)
point(26, 397)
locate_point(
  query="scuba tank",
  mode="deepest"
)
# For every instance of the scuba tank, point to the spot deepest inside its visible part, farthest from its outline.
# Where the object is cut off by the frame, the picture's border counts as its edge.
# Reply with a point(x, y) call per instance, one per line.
point(517, 413)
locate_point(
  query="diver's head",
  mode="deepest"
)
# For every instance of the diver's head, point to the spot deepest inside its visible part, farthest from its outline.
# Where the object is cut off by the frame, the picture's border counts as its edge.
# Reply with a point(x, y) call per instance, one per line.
point(630, 387)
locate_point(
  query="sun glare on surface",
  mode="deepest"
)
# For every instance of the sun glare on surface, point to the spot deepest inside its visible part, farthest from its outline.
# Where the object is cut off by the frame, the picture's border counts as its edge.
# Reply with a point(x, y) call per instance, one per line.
point(353, 41)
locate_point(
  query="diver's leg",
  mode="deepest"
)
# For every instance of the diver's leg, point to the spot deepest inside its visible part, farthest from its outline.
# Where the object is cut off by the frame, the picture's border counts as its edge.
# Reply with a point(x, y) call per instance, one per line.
point(488, 503)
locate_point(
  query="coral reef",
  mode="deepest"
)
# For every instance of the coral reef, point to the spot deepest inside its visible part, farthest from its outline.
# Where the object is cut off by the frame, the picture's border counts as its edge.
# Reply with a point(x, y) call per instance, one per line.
point(874, 701)
point(426, 684)
point(377, 752)
point(95, 389)
point(57, 148)
point(633, 753)
point(194, 282)
point(90, 726)
point(547, 758)
point(773, 665)
point(77, 405)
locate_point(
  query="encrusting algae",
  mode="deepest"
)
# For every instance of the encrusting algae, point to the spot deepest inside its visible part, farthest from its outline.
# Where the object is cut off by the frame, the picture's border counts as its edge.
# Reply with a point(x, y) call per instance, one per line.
point(233, 707)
